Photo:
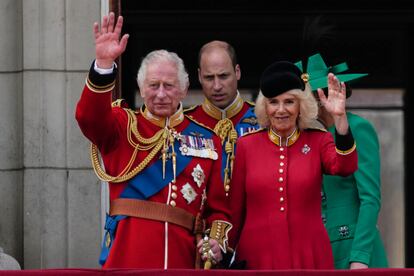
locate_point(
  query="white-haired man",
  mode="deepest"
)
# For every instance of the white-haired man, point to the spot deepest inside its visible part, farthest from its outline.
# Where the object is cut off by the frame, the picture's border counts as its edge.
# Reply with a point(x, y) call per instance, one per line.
point(163, 169)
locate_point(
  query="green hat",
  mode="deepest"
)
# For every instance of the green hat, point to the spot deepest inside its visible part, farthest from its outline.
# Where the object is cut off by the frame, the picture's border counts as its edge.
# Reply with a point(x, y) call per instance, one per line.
point(318, 72)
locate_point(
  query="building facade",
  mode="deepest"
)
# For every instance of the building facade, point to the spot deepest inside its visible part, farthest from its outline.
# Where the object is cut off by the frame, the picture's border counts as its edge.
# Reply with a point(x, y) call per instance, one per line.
point(52, 203)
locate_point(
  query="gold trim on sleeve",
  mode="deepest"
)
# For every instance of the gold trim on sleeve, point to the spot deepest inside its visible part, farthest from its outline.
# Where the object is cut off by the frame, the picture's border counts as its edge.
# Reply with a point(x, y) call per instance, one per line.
point(219, 231)
point(99, 89)
point(346, 152)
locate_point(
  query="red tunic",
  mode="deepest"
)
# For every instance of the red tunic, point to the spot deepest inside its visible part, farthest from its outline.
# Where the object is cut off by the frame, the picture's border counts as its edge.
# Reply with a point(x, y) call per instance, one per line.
point(243, 120)
point(276, 200)
point(201, 116)
point(143, 243)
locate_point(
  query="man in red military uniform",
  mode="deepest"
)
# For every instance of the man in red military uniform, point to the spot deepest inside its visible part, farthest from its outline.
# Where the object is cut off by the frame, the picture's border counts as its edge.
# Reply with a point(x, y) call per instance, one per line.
point(163, 169)
point(223, 109)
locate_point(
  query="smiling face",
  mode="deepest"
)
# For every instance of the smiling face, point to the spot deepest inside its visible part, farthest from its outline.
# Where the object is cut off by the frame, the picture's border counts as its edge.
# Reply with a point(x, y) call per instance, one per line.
point(218, 77)
point(283, 111)
point(161, 88)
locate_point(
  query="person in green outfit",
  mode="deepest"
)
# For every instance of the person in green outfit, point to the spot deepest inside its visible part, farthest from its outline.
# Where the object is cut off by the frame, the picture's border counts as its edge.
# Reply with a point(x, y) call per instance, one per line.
point(350, 205)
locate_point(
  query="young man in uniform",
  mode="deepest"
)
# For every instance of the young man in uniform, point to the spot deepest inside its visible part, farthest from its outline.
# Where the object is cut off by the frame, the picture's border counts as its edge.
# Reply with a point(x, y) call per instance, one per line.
point(223, 109)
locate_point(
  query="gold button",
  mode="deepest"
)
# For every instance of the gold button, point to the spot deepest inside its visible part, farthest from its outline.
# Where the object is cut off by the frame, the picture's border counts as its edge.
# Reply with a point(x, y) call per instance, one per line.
point(282, 157)
point(281, 199)
point(174, 187)
point(227, 188)
point(280, 179)
point(174, 195)
point(281, 170)
point(172, 203)
point(280, 189)
point(282, 164)
point(282, 209)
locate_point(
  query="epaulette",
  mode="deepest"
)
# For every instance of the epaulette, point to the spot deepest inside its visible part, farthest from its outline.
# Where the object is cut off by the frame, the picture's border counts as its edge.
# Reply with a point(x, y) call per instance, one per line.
point(317, 125)
point(120, 103)
point(254, 131)
point(250, 103)
point(316, 128)
point(197, 122)
point(191, 108)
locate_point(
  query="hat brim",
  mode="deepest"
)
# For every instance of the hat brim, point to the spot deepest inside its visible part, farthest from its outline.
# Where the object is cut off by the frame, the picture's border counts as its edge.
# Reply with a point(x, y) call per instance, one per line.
point(322, 82)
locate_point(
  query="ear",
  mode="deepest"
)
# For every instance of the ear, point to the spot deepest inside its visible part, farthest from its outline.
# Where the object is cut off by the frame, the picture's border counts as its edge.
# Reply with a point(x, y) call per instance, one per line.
point(141, 91)
point(199, 75)
point(184, 92)
point(238, 71)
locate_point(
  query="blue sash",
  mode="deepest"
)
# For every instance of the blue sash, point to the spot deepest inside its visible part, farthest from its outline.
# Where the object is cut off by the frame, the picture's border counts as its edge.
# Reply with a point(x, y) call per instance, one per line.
point(149, 182)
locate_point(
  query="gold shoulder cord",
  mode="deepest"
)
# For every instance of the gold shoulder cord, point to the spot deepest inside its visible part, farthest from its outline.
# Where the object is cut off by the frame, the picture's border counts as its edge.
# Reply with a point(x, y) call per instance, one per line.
point(156, 142)
point(225, 130)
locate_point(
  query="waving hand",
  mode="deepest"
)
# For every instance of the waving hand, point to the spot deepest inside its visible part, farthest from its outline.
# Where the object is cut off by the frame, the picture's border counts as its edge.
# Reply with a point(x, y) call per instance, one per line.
point(108, 42)
point(335, 103)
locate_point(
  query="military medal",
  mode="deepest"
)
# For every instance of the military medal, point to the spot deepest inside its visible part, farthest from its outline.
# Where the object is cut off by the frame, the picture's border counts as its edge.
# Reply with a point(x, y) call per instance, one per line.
point(197, 146)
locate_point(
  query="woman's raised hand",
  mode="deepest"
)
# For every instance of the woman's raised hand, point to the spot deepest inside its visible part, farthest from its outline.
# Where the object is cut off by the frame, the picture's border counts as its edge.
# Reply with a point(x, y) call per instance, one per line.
point(335, 102)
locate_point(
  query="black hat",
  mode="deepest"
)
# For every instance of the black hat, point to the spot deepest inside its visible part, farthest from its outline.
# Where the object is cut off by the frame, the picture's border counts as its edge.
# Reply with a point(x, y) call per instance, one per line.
point(280, 77)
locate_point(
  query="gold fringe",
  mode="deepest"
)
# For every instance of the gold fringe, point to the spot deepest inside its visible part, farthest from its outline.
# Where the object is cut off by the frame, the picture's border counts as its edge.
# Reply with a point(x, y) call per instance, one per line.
point(228, 135)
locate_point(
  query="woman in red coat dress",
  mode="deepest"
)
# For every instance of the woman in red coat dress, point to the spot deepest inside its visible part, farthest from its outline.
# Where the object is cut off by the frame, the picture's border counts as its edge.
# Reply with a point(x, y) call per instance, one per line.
point(275, 199)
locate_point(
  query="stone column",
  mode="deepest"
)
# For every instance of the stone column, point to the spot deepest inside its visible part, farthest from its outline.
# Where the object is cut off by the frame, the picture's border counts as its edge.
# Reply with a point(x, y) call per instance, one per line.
point(11, 126)
point(61, 193)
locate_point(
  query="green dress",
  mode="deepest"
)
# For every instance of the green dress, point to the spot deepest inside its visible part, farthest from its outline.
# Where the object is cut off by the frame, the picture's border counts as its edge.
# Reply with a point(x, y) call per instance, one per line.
point(350, 205)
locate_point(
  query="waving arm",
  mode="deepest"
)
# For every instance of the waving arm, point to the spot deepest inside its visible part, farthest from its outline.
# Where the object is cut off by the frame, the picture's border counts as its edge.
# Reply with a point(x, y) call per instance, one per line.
point(108, 42)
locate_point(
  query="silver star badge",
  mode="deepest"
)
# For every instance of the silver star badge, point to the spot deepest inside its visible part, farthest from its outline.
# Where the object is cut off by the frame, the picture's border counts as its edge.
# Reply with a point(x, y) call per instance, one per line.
point(306, 149)
point(188, 193)
point(198, 175)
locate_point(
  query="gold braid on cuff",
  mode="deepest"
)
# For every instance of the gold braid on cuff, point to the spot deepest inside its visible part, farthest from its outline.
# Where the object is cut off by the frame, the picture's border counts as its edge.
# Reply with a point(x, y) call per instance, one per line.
point(219, 231)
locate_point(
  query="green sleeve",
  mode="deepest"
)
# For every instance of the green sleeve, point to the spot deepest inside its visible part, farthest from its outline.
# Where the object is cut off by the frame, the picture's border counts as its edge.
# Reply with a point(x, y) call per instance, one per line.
point(368, 182)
